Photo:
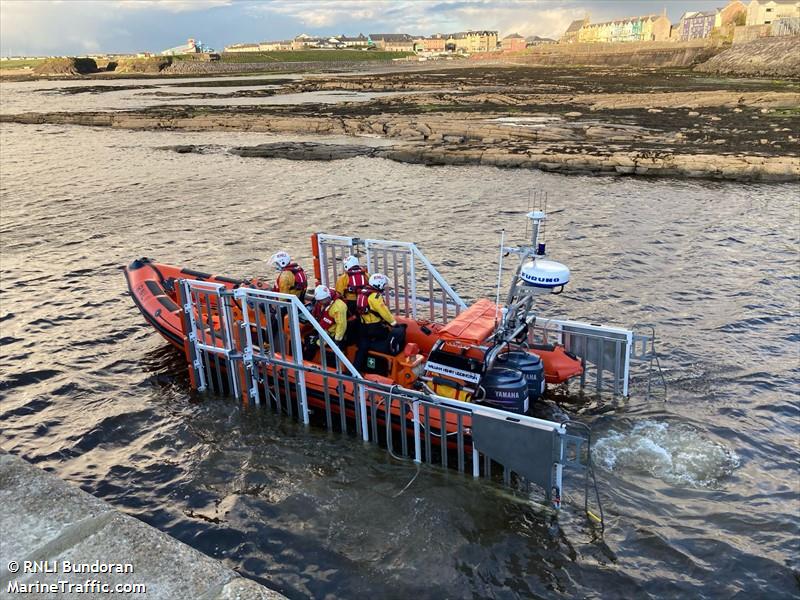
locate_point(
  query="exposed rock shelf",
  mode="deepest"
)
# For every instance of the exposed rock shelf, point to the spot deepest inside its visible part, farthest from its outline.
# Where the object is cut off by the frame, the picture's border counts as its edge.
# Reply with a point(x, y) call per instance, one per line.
point(572, 122)
point(305, 151)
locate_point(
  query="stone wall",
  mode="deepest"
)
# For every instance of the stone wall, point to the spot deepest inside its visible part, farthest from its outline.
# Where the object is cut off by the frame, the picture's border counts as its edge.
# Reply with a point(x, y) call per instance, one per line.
point(639, 54)
point(150, 65)
point(765, 57)
point(191, 67)
point(45, 519)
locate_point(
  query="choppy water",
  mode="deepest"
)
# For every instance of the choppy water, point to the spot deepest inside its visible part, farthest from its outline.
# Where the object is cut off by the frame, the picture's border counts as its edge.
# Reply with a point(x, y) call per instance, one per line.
point(701, 493)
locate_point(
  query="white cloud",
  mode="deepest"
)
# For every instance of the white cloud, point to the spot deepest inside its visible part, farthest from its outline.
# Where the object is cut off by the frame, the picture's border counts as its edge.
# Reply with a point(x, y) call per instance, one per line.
point(418, 17)
point(174, 6)
point(320, 14)
point(55, 27)
point(74, 26)
point(46, 27)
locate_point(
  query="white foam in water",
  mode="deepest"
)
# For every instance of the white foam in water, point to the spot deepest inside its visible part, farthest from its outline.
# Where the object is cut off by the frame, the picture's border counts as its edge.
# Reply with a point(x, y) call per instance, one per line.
point(675, 453)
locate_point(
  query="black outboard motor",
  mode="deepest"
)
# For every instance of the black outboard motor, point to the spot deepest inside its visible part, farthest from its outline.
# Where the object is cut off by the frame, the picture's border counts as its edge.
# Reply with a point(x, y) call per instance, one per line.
point(506, 389)
point(531, 367)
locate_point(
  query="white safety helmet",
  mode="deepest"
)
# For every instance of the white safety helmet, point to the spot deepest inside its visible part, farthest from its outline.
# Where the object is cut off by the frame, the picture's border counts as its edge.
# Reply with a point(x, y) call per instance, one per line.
point(321, 292)
point(350, 262)
point(280, 260)
point(378, 280)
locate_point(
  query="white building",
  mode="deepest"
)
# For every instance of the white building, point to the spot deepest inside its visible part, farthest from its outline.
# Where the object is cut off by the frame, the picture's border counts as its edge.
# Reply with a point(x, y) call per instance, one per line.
point(190, 47)
point(764, 12)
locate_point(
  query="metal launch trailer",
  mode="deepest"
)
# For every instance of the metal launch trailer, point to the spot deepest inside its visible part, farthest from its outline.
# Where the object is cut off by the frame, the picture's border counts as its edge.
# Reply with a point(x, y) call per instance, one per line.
point(250, 343)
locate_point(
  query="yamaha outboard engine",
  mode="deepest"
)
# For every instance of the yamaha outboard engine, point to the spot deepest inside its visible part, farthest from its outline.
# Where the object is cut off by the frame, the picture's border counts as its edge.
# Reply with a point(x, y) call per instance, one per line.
point(506, 389)
point(530, 366)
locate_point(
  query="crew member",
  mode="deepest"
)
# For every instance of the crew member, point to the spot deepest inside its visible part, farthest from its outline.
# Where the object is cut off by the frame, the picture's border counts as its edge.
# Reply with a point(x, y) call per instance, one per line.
point(376, 319)
point(331, 312)
point(291, 276)
point(354, 278)
point(348, 284)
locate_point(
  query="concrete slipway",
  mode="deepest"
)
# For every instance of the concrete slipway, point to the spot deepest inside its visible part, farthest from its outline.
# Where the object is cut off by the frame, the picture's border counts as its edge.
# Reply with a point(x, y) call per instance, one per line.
point(46, 519)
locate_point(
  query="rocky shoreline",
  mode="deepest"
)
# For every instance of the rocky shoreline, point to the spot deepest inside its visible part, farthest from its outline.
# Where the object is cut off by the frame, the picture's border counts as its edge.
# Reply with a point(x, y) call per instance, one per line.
point(765, 57)
point(709, 167)
point(603, 122)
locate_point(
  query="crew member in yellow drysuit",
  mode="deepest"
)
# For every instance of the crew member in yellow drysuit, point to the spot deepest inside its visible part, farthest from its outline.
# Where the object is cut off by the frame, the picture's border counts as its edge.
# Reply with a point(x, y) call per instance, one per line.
point(376, 319)
point(331, 312)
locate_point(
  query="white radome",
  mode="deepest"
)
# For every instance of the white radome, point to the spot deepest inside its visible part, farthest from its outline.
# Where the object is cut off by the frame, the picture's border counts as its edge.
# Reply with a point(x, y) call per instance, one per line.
point(544, 273)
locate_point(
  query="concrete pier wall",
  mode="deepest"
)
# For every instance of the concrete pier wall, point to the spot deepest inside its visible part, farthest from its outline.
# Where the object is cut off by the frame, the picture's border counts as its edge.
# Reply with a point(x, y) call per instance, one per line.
point(50, 529)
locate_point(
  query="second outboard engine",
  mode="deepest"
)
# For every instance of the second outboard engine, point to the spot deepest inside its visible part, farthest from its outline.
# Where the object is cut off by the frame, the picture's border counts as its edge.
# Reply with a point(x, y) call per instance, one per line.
point(530, 366)
point(506, 389)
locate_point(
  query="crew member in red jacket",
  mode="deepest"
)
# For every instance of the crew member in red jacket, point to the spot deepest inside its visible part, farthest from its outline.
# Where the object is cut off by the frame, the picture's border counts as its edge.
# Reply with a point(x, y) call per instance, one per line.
point(291, 276)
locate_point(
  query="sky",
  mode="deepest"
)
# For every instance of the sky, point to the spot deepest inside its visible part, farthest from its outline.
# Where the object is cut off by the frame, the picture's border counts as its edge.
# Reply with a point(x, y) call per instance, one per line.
point(75, 27)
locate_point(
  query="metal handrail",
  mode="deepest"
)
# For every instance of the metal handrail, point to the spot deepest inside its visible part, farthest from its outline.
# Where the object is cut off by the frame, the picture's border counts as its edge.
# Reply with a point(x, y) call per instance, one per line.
point(428, 265)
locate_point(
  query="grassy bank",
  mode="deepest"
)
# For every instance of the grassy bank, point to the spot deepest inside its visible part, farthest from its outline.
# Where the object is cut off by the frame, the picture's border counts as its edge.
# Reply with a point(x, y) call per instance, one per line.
point(307, 56)
point(21, 63)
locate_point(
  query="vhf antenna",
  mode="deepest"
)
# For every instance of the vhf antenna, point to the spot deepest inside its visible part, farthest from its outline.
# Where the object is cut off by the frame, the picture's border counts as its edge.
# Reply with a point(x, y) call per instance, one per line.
point(544, 223)
point(530, 194)
point(499, 277)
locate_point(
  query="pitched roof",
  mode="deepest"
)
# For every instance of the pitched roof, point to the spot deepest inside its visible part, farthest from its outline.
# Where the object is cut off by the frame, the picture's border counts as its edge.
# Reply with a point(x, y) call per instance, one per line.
point(391, 37)
point(513, 36)
point(628, 20)
point(361, 38)
point(575, 25)
point(696, 14)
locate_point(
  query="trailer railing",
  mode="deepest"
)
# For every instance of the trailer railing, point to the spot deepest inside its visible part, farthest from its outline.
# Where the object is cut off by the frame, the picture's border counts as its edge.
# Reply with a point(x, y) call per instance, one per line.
point(416, 288)
point(606, 353)
point(267, 349)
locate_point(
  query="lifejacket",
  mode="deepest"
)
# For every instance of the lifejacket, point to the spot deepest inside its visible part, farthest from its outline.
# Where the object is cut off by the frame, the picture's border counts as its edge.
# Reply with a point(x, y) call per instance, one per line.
point(323, 315)
point(362, 301)
point(356, 279)
point(300, 281)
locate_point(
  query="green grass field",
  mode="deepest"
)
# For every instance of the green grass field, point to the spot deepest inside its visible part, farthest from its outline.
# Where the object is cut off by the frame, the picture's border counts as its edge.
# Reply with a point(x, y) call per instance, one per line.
point(308, 56)
point(21, 63)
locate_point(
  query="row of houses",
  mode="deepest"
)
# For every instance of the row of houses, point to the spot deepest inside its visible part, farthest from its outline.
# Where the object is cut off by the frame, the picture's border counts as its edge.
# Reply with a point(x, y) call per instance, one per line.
point(466, 42)
point(643, 28)
point(757, 13)
point(692, 24)
point(701, 24)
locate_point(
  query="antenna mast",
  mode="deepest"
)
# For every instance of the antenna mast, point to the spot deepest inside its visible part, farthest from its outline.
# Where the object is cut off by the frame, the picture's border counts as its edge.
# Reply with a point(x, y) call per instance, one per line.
point(499, 276)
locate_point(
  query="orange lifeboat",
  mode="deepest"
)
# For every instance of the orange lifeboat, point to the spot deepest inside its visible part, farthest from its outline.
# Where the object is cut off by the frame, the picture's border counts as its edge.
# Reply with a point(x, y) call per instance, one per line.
point(452, 356)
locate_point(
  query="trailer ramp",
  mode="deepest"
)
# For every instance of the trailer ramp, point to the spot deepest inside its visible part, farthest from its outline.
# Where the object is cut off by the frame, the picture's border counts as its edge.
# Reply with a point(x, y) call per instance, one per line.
point(257, 354)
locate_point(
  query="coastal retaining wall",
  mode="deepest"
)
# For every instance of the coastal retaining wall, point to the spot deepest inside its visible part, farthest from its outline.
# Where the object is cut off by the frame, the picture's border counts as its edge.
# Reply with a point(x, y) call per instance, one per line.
point(765, 57)
point(46, 519)
point(638, 54)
